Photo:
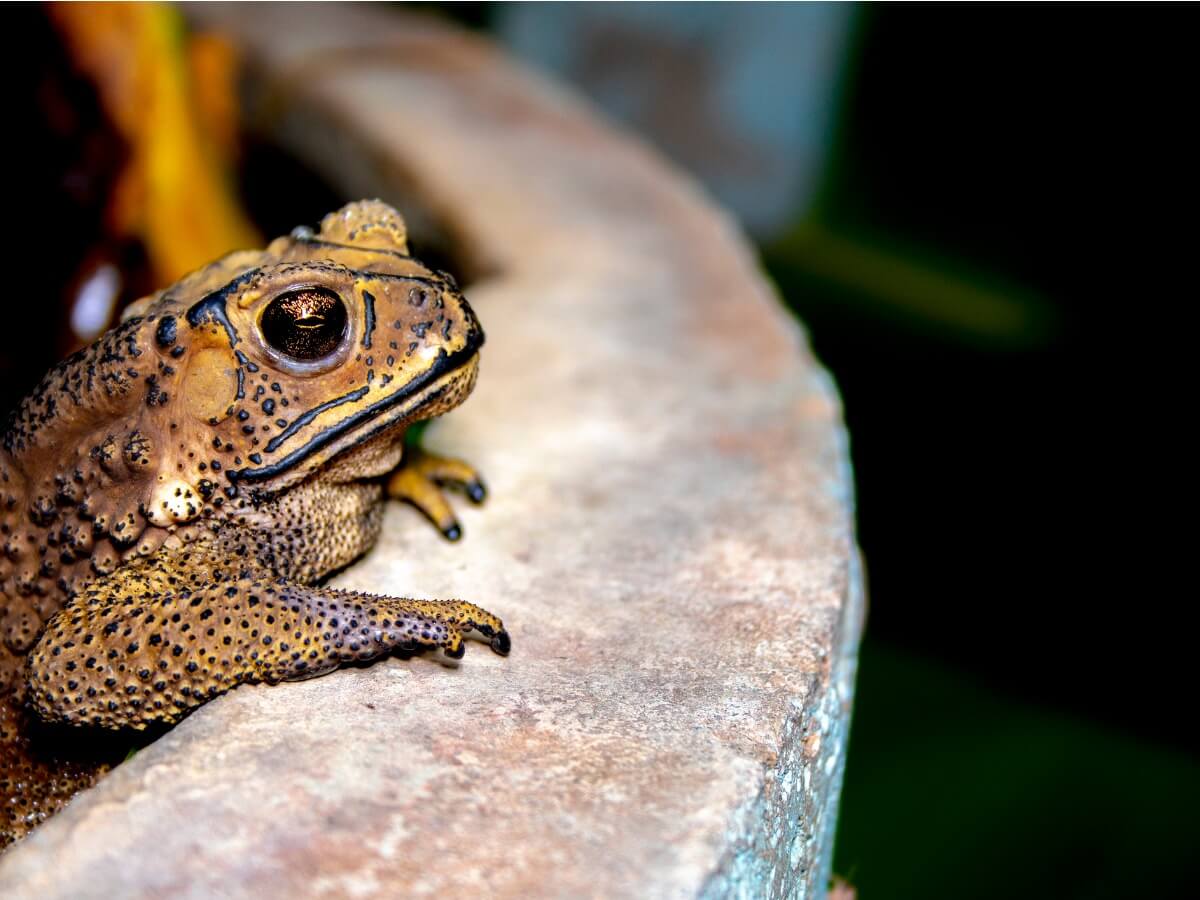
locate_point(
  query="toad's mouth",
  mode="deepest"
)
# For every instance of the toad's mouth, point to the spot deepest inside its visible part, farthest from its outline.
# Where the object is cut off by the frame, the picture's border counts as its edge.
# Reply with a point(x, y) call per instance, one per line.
point(445, 384)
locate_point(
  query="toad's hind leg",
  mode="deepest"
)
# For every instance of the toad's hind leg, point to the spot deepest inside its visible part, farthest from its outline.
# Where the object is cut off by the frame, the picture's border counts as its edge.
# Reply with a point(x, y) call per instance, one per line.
point(112, 660)
point(420, 480)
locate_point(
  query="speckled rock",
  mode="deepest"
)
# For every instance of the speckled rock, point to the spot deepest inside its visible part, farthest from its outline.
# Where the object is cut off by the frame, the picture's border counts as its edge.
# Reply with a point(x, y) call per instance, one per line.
point(669, 539)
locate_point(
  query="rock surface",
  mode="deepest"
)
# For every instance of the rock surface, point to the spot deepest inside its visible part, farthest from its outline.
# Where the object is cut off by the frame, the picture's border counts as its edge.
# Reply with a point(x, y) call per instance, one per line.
point(669, 539)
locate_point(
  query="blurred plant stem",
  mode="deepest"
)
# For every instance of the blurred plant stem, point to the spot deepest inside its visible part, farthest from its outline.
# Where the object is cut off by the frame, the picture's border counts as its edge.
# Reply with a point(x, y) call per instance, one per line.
point(916, 291)
point(172, 101)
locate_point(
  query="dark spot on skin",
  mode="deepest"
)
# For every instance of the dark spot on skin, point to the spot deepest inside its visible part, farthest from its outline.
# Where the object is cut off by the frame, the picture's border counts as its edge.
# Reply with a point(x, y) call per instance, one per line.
point(212, 307)
point(155, 396)
point(369, 325)
point(303, 419)
point(165, 333)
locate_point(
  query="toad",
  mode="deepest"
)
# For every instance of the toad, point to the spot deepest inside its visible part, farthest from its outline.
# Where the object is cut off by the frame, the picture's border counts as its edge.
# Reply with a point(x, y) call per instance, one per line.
point(172, 496)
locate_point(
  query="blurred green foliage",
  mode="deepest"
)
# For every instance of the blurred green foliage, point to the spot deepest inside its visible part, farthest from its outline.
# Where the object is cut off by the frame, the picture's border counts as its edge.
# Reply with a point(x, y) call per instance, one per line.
point(955, 790)
point(911, 289)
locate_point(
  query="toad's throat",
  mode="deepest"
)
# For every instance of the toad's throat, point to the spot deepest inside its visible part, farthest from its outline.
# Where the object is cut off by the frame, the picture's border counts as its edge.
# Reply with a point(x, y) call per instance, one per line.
point(446, 364)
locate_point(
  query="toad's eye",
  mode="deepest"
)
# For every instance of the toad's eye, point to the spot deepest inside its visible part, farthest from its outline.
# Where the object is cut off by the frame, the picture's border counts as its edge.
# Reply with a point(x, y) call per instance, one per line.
point(305, 324)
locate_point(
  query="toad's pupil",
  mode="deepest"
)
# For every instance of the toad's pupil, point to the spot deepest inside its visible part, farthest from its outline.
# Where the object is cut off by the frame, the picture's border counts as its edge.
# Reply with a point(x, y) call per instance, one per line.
point(305, 324)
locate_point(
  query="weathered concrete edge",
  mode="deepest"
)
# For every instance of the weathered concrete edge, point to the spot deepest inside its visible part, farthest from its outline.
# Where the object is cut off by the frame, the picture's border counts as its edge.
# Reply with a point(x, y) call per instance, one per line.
point(786, 825)
point(789, 852)
point(780, 845)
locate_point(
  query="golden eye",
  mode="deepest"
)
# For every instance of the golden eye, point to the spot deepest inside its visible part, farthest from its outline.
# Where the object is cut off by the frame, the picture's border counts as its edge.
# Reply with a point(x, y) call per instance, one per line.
point(306, 324)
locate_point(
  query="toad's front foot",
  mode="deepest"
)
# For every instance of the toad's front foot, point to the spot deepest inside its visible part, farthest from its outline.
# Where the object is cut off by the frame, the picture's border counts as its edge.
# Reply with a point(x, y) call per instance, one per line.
point(420, 480)
point(464, 620)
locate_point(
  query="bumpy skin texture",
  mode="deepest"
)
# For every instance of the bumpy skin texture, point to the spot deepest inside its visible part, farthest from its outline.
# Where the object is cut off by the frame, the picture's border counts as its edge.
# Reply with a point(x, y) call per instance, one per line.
point(171, 496)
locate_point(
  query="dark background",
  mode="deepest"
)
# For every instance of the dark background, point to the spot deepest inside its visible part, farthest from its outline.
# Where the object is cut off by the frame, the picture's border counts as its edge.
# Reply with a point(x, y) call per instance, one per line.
point(1023, 718)
point(1023, 715)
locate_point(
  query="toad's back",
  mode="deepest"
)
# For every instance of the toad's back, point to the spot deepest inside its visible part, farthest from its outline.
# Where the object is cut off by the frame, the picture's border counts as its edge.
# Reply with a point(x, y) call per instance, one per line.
point(71, 475)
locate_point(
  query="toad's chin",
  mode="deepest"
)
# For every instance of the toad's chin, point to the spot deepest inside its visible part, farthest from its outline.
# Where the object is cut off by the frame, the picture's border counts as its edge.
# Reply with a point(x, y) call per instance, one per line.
point(372, 430)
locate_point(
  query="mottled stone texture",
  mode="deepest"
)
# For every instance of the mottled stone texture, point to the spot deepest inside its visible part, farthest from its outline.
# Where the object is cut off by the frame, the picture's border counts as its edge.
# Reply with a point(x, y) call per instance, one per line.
point(669, 539)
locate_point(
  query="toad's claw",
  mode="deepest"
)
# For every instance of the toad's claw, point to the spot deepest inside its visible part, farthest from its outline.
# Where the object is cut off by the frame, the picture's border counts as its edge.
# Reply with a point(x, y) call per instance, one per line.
point(501, 643)
point(420, 480)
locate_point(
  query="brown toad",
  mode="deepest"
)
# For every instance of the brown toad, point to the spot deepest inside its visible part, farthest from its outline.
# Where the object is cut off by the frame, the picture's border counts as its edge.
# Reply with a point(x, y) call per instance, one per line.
point(171, 496)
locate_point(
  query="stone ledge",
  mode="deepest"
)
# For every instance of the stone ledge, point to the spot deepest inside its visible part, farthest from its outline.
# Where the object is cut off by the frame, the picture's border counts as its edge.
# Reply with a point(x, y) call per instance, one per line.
point(669, 538)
